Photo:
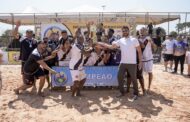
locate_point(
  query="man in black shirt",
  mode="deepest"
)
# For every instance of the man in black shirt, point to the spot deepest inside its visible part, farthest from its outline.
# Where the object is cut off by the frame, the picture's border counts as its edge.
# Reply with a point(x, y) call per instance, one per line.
point(33, 70)
point(27, 44)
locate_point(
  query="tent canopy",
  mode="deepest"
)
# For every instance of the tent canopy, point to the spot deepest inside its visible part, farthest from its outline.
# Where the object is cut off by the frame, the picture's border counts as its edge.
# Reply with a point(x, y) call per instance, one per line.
point(38, 18)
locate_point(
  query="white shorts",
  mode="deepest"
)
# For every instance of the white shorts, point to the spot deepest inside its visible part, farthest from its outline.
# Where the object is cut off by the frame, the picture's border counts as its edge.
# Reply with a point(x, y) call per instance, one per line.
point(77, 75)
point(148, 66)
point(188, 61)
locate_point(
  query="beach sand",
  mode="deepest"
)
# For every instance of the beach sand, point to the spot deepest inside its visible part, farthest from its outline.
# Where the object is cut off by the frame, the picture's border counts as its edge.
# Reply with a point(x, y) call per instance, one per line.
point(168, 101)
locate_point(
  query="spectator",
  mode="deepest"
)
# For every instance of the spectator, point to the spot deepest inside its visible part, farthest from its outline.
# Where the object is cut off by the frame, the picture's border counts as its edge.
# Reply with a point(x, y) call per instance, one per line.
point(168, 51)
point(180, 48)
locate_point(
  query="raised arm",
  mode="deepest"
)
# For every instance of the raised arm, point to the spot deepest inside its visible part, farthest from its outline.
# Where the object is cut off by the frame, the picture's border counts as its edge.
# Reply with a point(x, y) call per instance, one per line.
point(88, 27)
point(53, 55)
point(105, 45)
point(15, 31)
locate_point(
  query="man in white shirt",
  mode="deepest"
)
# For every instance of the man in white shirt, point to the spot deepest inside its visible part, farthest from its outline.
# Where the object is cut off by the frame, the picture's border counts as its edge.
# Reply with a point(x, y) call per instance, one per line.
point(128, 46)
point(168, 49)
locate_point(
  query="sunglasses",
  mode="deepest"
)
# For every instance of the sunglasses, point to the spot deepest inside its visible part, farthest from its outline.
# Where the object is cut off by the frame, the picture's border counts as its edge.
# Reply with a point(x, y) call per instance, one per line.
point(125, 31)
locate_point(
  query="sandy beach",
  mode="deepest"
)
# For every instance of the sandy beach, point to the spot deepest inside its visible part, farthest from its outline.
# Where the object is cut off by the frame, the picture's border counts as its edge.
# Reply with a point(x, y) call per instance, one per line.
point(169, 101)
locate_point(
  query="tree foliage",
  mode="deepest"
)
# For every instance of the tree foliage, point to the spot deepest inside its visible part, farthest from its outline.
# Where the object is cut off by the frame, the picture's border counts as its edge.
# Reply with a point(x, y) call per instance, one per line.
point(5, 38)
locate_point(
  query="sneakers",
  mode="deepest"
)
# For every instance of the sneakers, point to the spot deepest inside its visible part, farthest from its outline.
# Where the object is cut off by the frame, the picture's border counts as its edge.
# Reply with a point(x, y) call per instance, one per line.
point(135, 97)
point(120, 95)
point(144, 93)
point(174, 72)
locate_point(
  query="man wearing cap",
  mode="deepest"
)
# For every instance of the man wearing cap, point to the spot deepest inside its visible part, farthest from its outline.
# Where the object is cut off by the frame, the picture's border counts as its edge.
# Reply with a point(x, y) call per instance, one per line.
point(27, 45)
point(32, 69)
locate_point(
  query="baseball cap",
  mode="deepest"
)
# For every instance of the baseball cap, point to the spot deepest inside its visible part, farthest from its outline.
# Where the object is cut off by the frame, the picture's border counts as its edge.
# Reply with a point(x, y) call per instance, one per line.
point(29, 31)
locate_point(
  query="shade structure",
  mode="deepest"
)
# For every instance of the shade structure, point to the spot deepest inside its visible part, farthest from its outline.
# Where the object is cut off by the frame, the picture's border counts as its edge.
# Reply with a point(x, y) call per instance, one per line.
point(38, 18)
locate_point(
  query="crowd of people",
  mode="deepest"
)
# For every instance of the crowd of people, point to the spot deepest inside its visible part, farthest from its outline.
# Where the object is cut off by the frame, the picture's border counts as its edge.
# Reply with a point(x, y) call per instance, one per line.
point(132, 55)
point(176, 50)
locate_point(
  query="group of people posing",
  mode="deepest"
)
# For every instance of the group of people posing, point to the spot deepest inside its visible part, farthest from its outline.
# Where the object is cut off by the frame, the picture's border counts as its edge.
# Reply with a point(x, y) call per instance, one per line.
point(132, 54)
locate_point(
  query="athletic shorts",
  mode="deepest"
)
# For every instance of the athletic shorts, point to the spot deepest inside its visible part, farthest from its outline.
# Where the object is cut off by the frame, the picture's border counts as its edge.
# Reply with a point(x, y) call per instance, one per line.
point(30, 78)
point(168, 57)
point(77, 75)
point(148, 66)
point(46, 72)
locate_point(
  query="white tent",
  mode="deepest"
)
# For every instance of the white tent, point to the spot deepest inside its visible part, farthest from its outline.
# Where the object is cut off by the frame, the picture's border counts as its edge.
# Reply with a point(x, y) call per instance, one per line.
point(84, 13)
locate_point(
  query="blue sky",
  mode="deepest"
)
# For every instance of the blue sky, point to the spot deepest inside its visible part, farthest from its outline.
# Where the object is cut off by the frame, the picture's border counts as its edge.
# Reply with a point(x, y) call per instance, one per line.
point(18, 6)
point(111, 5)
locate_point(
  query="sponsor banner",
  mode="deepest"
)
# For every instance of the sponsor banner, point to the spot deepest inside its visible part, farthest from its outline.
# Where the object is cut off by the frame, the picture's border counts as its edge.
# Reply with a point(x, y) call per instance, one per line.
point(96, 76)
point(116, 26)
point(47, 29)
point(13, 57)
point(70, 27)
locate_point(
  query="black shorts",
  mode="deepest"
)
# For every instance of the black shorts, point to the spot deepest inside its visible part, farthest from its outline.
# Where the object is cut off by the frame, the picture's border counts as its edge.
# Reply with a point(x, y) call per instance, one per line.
point(139, 73)
point(168, 57)
point(30, 78)
point(46, 72)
